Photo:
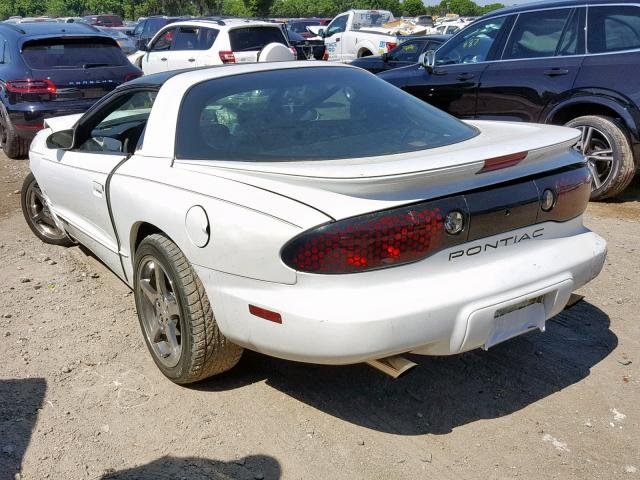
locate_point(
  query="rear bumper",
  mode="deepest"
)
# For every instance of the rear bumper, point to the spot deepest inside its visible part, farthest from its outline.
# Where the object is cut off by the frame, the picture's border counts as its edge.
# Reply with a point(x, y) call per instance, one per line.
point(432, 307)
point(28, 118)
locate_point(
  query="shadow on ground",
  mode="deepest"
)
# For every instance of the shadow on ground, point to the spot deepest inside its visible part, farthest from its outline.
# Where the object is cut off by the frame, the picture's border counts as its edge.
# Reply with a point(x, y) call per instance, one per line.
point(442, 392)
point(193, 468)
point(20, 402)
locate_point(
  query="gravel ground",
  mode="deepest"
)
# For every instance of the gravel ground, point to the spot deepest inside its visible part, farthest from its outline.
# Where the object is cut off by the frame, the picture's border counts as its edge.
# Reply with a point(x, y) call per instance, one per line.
point(80, 397)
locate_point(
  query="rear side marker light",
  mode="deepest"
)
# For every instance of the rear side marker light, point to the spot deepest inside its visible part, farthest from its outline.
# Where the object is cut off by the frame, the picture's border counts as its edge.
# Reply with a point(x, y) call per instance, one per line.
point(505, 161)
point(31, 86)
point(227, 56)
point(274, 317)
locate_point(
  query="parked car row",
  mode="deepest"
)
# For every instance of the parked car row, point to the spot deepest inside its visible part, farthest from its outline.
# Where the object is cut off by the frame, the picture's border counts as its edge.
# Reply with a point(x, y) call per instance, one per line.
point(561, 62)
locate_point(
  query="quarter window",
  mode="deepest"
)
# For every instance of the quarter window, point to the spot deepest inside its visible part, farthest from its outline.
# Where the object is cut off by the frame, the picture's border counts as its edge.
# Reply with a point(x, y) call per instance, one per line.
point(539, 34)
point(472, 45)
point(613, 28)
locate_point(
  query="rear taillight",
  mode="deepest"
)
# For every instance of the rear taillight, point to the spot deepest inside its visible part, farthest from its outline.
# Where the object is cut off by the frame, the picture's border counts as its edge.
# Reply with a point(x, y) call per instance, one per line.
point(391, 45)
point(131, 76)
point(227, 56)
point(373, 241)
point(31, 86)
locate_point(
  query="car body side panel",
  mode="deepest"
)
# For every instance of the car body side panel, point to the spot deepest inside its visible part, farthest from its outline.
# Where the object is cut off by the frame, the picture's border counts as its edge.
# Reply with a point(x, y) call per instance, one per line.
point(244, 239)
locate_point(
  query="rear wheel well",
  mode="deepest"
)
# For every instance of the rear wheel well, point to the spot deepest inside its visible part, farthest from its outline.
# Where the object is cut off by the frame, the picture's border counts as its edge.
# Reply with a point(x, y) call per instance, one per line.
point(582, 109)
point(364, 52)
point(144, 230)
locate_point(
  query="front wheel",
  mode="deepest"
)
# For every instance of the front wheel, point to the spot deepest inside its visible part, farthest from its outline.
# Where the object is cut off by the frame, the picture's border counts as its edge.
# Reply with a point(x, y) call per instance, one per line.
point(606, 146)
point(176, 318)
point(38, 216)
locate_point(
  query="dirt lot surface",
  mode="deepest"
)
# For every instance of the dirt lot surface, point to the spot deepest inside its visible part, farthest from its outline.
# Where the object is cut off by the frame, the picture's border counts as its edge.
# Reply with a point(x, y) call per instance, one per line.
point(80, 397)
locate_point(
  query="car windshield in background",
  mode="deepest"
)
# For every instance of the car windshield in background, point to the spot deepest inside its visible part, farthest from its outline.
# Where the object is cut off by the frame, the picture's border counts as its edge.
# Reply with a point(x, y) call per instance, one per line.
point(301, 27)
point(364, 20)
point(308, 114)
point(52, 53)
point(254, 38)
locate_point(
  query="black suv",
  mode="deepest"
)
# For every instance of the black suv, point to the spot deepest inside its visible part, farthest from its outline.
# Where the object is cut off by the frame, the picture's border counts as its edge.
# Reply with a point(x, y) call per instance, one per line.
point(574, 63)
point(53, 69)
point(147, 27)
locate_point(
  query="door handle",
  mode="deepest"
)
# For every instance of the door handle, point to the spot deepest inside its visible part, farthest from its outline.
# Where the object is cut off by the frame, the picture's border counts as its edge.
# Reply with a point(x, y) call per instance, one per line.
point(191, 59)
point(98, 189)
point(163, 59)
point(555, 72)
point(465, 76)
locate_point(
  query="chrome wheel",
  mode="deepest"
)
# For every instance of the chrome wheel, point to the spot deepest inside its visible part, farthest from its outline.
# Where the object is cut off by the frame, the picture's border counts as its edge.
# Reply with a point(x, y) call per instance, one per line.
point(159, 311)
point(40, 215)
point(596, 147)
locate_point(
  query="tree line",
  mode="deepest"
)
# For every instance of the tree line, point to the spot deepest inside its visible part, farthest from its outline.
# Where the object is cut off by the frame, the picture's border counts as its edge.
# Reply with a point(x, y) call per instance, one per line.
point(133, 9)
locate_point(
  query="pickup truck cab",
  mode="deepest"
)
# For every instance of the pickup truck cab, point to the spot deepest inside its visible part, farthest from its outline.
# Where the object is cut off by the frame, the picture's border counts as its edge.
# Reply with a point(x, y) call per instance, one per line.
point(356, 34)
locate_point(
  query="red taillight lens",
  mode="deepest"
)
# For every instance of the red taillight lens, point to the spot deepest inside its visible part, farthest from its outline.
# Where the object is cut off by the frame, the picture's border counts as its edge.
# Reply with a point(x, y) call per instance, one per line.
point(227, 56)
point(325, 55)
point(374, 241)
point(31, 86)
point(131, 76)
point(391, 45)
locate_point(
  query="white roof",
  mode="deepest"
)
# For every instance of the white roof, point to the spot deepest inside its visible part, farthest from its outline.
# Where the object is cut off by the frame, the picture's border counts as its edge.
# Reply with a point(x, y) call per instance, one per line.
point(232, 22)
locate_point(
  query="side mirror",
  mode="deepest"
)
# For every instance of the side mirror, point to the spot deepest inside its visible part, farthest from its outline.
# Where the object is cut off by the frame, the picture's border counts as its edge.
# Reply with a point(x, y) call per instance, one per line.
point(384, 57)
point(428, 60)
point(322, 32)
point(62, 140)
point(144, 46)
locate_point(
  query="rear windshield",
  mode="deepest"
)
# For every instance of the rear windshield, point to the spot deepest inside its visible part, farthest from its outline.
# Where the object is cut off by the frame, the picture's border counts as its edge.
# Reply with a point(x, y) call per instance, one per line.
point(308, 114)
point(254, 38)
point(301, 27)
point(57, 53)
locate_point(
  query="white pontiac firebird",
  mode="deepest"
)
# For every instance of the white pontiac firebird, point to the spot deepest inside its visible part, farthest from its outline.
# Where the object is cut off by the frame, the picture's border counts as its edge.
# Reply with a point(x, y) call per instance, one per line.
point(316, 213)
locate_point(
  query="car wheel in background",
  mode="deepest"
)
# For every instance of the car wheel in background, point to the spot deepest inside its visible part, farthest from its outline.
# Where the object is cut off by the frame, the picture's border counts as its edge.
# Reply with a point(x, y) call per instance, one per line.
point(176, 318)
point(36, 213)
point(605, 144)
point(12, 145)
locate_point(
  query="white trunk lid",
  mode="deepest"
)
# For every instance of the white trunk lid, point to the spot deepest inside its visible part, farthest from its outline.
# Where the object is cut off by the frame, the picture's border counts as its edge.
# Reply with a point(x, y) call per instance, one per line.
point(344, 188)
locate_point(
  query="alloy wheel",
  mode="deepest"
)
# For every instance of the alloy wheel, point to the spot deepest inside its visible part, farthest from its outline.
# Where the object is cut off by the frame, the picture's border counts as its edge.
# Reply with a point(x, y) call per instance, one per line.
point(596, 147)
point(160, 312)
point(40, 215)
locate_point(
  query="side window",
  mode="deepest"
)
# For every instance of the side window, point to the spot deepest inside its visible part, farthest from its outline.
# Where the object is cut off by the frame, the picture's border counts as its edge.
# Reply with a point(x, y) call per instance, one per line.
point(338, 25)
point(407, 52)
point(538, 34)
point(163, 42)
point(120, 128)
point(472, 45)
point(138, 30)
point(3, 49)
point(613, 28)
point(207, 38)
point(186, 39)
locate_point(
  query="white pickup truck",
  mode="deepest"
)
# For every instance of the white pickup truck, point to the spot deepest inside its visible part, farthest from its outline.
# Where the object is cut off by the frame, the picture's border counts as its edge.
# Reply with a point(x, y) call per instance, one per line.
point(358, 33)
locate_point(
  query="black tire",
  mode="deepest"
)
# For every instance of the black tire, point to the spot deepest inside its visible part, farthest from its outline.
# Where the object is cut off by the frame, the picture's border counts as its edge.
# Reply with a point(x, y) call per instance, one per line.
point(13, 146)
point(622, 167)
point(45, 228)
point(204, 350)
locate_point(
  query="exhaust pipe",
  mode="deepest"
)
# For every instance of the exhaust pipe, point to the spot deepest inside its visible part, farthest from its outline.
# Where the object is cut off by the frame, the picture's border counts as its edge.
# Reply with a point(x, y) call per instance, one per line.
point(395, 366)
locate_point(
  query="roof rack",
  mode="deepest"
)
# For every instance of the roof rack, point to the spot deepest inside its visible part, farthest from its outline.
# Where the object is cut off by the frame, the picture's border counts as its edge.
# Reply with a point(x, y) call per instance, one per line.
point(13, 27)
point(217, 20)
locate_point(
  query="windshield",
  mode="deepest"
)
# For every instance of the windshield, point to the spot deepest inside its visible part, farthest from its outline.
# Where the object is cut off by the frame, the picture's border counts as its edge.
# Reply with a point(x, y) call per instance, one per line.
point(308, 114)
point(301, 27)
point(53, 53)
point(371, 18)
